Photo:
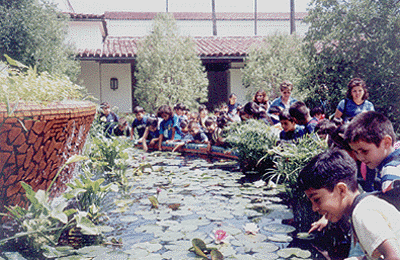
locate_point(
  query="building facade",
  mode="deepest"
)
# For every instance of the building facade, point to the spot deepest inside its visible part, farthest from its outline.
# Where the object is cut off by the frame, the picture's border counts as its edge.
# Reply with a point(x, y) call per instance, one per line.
point(108, 56)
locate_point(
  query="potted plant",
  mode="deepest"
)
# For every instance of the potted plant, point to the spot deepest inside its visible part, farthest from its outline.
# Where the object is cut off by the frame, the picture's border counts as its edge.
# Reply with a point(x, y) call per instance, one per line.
point(44, 120)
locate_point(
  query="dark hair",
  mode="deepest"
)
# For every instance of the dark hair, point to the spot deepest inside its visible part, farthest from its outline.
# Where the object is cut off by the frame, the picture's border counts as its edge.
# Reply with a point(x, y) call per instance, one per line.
point(179, 106)
point(357, 82)
point(316, 111)
point(370, 127)
point(299, 111)
point(275, 109)
point(183, 124)
point(284, 115)
point(209, 121)
point(265, 97)
point(286, 84)
point(325, 126)
point(152, 121)
point(223, 120)
point(252, 109)
point(202, 108)
point(336, 138)
point(327, 169)
point(164, 109)
point(104, 105)
point(232, 95)
point(138, 109)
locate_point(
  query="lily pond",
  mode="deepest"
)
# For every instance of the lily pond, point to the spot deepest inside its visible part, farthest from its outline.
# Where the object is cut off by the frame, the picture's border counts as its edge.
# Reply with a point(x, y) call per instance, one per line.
point(197, 198)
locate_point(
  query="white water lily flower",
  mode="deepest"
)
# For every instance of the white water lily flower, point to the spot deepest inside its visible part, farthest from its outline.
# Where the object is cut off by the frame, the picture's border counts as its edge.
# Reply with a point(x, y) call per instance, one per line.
point(251, 228)
point(259, 184)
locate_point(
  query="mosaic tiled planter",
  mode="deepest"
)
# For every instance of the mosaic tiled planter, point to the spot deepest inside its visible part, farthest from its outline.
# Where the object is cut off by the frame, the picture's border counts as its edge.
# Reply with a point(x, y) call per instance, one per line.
point(35, 141)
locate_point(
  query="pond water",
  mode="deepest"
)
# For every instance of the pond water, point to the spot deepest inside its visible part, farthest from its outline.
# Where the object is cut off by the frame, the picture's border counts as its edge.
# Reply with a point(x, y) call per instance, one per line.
point(196, 197)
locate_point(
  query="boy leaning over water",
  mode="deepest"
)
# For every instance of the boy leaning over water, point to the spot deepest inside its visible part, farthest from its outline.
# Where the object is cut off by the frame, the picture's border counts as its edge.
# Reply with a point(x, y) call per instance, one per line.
point(371, 136)
point(329, 181)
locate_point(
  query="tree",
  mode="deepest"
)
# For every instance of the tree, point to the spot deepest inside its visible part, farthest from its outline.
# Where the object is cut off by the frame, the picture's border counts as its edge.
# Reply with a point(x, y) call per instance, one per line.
point(168, 68)
point(34, 32)
point(279, 58)
point(354, 38)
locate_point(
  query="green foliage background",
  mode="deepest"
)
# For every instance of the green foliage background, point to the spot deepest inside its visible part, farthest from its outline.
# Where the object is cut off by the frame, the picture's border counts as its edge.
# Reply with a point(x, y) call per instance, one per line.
point(278, 58)
point(33, 32)
point(168, 68)
point(355, 38)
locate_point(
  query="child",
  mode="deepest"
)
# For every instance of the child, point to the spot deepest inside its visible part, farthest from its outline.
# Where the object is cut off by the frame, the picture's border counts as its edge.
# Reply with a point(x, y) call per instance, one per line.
point(168, 126)
point(203, 115)
point(199, 137)
point(139, 123)
point(151, 134)
point(329, 181)
point(273, 113)
point(371, 136)
point(290, 131)
point(179, 110)
point(122, 129)
point(185, 136)
point(301, 116)
point(109, 118)
point(325, 128)
point(214, 134)
point(318, 113)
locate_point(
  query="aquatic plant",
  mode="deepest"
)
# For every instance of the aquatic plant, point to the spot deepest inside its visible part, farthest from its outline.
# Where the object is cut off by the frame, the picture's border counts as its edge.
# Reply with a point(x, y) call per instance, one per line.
point(220, 236)
point(252, 139)
point(105, 152)
point(288, 160)
point(251, 228)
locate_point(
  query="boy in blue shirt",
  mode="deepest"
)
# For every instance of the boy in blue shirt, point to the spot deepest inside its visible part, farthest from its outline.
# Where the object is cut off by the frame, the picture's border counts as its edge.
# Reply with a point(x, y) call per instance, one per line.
point(301, 115)
point(290, 131)
point(371, 136)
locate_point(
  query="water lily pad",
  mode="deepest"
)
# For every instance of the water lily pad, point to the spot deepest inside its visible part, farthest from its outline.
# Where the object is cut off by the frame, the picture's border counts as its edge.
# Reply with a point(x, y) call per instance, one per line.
point(137, 253)
point(305, 236)
point(114, 255)
point(129, 219)
point(265, 256)
point(279, 228)
point(280, 238)
point(150, 247)
point(293, 251)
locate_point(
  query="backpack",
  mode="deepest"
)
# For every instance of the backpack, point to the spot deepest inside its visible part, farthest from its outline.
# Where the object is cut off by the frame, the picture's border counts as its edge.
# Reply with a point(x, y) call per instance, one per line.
point(391, 195)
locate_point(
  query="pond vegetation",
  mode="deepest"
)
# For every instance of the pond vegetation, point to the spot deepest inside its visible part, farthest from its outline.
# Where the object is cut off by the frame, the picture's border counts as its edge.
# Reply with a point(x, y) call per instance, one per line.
point(127, 204)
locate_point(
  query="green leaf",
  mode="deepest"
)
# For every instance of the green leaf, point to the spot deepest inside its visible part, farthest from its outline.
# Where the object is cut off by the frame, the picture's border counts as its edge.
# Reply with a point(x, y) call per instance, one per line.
point(197, 242)
point(15, 63)
point(216, 255)
point(154, 201)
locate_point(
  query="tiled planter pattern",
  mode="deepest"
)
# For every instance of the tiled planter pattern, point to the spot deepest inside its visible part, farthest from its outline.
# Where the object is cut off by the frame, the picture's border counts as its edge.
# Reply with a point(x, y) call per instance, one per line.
point(35, 141)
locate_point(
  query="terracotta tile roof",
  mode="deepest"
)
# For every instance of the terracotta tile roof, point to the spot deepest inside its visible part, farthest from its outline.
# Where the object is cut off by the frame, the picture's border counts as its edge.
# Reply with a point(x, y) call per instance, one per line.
point(123, 47)
point(202, 16)
point(76, 16)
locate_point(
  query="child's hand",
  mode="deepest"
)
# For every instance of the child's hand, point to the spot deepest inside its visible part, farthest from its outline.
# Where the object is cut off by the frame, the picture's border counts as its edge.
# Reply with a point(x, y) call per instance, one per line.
point(318, 225)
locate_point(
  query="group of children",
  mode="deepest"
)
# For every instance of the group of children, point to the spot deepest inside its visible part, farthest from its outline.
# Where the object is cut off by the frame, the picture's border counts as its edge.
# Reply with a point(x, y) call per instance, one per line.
point(330, 182)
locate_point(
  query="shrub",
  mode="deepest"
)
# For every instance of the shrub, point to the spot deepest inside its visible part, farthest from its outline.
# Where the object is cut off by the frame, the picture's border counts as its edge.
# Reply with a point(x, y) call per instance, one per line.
point(252, 139)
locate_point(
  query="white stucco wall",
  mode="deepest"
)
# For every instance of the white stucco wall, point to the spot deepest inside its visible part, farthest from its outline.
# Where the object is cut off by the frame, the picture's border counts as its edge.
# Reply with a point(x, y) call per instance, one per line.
point(236, 86)
point(99, 87)
point(204, 28)
point(85, 34)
